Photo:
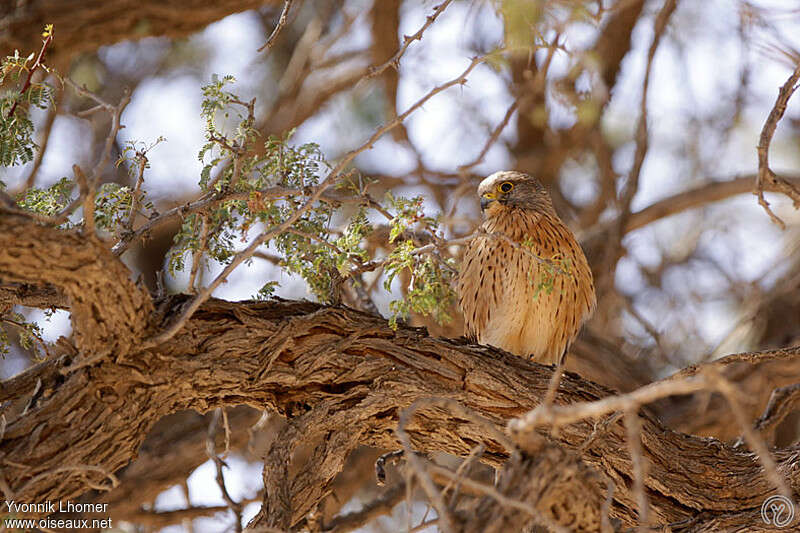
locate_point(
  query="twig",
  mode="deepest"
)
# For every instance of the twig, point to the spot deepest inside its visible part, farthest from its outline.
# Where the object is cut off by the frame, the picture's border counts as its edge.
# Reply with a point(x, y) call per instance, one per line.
point(642, 144)
point(633, 428)
point(370, 266)
point(44, 139)
point(116, 125)
point(226, 425)
point(210, 200)
point(501, 498)
point(86, 93)
point(382, 505)
point(568, 414)
point(234, 506)
point(605, 512)
point(462, 471)
point(642, 137)
point(141, 159)
point(418, 467)
point(287, 5)
point(782, 402)
point(87, 192)
point(197, 255)
point(36, 65)
point(492, 138)
point(394, 61)
point(765, 174)
point(424, 525)
point(754, 441)
point(555, 381)
point(713, 191)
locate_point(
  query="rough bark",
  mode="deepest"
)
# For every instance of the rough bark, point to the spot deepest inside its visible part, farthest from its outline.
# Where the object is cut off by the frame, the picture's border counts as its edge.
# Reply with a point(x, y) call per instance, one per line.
point(555, 482)
point(339, 375)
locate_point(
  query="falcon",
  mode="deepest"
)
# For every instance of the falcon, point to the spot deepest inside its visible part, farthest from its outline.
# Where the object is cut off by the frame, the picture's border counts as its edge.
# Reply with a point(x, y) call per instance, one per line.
point(524, 285)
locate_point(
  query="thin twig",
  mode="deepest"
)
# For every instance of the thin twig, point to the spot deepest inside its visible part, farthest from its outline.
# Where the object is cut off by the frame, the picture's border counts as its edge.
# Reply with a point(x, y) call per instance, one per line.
point(226, 425)
point(382, 505)
point(713, 191)
point(707, 378)
point(501, 498)
point(424, 525)
point(36, 65)
point(605, 512)
point(370, 266)
point(420, 472)
point(287, 5)
point(463, 469)
point(642, 141)
point(197, 255)
point(555, 381)
point(782, 402)
point(233, 505)
point(754, 441)
point(116, 125)
point(87, 192)
point(568, 414)
point(211, 200)
point(141, 159)
point(765, 174)
point(492, 138)
point(394, 61)
point(633, 428)
point(44, 139)
point(86, 93)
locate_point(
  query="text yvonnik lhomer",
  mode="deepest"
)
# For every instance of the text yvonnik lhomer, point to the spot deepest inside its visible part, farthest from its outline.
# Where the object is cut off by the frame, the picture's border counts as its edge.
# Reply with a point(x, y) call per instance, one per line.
point(49, 507)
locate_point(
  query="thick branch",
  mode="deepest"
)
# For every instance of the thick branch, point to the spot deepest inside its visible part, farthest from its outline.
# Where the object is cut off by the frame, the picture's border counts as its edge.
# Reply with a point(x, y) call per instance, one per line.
point(298, 358)
point(108, 311)
point(339, 375)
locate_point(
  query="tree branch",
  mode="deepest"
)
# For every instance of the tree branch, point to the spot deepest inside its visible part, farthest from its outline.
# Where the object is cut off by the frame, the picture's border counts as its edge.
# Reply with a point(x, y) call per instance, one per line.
point(352, 371)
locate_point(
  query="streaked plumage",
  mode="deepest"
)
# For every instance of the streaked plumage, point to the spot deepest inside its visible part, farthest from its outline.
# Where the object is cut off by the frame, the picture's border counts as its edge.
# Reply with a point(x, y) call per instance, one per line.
point(500, 286)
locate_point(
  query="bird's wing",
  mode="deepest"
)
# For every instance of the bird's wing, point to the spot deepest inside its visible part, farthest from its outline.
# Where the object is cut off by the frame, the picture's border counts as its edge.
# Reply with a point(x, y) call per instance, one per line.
point(479, 284)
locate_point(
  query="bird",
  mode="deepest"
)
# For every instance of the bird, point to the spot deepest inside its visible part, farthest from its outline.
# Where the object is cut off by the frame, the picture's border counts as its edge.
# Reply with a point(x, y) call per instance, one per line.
point(524, 285)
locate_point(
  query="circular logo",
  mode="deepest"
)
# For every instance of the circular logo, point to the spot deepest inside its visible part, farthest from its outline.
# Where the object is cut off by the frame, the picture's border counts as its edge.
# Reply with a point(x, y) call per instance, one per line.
point(777, 511)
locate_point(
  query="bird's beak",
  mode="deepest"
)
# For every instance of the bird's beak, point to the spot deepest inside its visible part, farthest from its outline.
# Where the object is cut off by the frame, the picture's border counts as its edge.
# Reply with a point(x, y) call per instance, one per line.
point(486, 199)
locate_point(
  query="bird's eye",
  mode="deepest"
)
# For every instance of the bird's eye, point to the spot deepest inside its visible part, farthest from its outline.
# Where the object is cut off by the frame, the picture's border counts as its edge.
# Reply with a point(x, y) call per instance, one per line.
point(506, 186)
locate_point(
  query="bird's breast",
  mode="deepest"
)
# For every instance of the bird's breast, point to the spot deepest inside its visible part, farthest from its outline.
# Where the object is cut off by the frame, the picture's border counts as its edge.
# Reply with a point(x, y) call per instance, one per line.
point(512, 295)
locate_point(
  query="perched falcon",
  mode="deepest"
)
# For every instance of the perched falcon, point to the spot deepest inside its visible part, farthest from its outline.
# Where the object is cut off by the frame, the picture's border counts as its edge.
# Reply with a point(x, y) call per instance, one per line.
point(509, 299)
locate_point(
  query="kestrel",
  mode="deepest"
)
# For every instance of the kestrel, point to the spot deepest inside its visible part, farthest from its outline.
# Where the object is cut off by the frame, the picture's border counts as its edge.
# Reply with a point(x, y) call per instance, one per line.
point(509, 299)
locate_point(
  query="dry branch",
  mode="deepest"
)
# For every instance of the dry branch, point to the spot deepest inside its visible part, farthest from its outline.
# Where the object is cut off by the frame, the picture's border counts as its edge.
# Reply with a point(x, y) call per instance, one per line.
point(340, 375)
point(766, 177)
point(287, 5)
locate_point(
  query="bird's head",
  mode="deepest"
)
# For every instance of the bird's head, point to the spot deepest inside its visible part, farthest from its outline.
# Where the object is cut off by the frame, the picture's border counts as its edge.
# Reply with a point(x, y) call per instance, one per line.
point(511, 189)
